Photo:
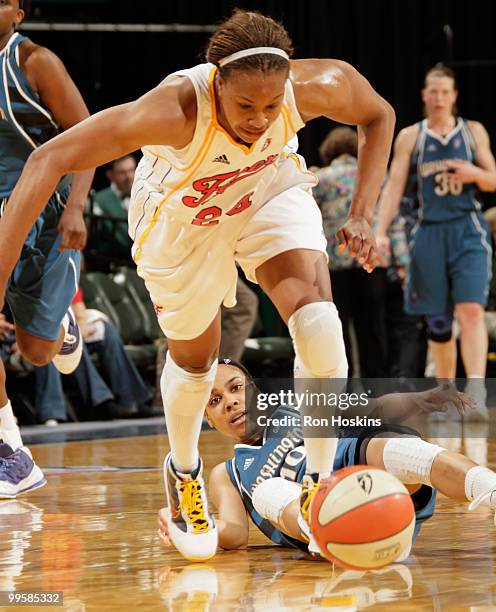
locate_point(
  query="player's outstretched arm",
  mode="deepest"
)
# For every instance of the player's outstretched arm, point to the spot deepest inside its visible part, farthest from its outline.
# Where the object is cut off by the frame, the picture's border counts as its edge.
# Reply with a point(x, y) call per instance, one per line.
point(166, 115)
point(398, 407)
point(334, 89)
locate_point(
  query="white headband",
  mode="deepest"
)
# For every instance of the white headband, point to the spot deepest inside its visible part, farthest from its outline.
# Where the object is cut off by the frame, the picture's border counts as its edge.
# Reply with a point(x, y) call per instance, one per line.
point(253, 51)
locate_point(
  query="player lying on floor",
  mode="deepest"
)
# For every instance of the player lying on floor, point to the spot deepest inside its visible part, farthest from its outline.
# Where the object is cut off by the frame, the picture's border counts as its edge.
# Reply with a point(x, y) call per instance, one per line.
point(261, 480)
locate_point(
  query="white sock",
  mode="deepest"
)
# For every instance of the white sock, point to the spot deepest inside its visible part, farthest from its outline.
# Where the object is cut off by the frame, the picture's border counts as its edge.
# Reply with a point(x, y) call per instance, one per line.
point(185, 396)
point(320, 451)
point(480, 480)
point(9, 430)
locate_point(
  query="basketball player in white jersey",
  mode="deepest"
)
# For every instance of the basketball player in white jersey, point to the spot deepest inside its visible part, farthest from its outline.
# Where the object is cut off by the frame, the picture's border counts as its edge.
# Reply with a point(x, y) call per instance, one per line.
point(216, 187)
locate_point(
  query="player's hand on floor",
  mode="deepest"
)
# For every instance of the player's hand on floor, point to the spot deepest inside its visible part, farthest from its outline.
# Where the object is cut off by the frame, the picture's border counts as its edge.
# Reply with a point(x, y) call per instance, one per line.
point(438, 399)
point(163, 530)
point(356, 235)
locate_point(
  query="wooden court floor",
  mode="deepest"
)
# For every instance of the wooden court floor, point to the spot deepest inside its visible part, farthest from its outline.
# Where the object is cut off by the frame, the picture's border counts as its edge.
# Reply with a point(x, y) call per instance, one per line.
point(91, 533)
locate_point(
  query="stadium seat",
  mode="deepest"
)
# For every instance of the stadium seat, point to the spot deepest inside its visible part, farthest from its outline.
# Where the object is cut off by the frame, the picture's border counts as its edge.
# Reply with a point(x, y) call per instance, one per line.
point(102, 293)
point(136, 290)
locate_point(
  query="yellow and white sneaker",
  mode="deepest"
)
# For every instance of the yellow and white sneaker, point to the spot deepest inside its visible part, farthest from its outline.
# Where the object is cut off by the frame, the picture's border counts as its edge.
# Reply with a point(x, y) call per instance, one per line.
point(192, 529)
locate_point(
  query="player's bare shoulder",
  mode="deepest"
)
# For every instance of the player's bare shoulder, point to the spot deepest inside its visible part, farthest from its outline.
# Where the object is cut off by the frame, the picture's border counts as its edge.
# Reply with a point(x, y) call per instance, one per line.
point(478, 130)
point(219, 475)
point(316, 82)
point(35, 59)
point(317, 72)
point(173, 105)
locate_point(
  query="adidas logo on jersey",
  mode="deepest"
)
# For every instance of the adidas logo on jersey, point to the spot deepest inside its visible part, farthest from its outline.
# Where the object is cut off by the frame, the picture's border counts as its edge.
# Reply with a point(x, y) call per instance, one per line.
point(248, 462)
point(432, 147)
point(222, 159)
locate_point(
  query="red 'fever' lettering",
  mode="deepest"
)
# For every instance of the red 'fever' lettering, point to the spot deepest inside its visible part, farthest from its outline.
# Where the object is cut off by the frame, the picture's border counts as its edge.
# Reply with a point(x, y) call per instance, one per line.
point(214, 185)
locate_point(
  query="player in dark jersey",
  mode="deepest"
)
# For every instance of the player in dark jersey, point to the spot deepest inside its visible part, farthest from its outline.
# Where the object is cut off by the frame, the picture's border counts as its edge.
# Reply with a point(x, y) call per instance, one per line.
point(273, 459)
point(443, 161)
point(37, 98)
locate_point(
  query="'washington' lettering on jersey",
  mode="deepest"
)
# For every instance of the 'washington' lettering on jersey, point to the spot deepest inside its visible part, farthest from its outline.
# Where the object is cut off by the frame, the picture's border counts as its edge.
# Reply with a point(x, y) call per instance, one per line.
point(214, 178)
point(441, 195)
point(281, 454)
point(24, 123)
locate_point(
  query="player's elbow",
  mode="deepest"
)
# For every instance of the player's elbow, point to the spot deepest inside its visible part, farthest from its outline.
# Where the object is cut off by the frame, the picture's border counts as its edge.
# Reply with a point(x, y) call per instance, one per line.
point(233, 538)
point(488, 185)
point(46, 162)
point(388, 116)
point(233, 543)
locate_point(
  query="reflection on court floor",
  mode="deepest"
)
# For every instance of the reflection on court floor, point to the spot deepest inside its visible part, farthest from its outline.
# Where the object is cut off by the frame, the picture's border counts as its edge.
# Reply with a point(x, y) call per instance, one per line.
point(91, 533)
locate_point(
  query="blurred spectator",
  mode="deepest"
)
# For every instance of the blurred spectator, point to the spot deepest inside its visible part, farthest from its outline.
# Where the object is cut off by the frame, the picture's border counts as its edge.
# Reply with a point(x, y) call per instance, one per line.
point(114, 202)
point(121, 382)
point(359, 296)
point(49, 401)
point(238, 322)
point(407, 342)
point(7, 337)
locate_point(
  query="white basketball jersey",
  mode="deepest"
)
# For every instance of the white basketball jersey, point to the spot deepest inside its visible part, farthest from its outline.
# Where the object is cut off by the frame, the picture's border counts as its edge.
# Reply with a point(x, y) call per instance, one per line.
point(214, 178)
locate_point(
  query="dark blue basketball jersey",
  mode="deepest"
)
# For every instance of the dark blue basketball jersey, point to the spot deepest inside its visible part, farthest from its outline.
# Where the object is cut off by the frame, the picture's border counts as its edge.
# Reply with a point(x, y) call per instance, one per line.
point(24, 123)
point(440, 195)
point(281, 453)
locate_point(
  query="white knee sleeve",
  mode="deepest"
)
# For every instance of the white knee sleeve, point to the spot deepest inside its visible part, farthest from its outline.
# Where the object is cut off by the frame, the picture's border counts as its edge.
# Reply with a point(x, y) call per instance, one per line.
point(410, 459)
point(317, 334)
point(183, 391)
point(271, 497)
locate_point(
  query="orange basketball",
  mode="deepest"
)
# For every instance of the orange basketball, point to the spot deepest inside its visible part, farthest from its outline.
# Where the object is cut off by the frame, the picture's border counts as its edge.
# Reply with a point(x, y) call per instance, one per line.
point(362, 518)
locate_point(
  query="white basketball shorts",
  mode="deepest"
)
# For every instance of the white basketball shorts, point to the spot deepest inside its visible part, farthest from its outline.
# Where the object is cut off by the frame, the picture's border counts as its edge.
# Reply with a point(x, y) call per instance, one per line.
point(191, 271)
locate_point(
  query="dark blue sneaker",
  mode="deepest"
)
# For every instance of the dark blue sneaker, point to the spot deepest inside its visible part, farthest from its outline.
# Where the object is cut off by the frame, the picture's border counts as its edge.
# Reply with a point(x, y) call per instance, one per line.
point(69, 356)
point(18, 472)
